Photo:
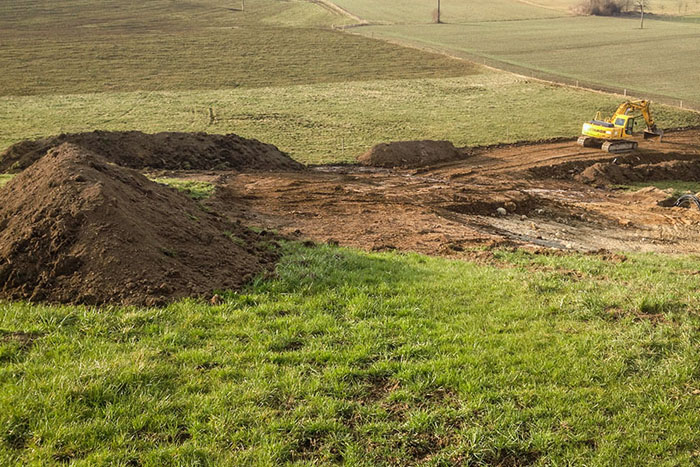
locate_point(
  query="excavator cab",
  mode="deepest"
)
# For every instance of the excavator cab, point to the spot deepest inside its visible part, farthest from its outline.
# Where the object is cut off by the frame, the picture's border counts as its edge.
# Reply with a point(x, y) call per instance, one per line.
point(626, 122)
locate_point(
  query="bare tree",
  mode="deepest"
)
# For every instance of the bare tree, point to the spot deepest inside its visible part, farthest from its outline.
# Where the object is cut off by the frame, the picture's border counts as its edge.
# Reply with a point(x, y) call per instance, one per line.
point(640, 5)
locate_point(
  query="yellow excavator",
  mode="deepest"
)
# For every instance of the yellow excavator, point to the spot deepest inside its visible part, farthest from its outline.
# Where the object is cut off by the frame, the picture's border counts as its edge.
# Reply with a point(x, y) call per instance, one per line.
point(615, 134)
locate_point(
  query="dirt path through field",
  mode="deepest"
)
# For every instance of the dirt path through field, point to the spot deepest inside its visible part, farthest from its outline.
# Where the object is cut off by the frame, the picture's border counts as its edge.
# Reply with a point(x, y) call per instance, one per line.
point(551, 196)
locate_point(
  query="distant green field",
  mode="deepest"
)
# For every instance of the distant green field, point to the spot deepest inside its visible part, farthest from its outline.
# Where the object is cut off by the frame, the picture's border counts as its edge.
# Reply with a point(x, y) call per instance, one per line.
point(607, 51)
point(452, 11)
point(460, 11)
point(659, 7)
point(332, 122)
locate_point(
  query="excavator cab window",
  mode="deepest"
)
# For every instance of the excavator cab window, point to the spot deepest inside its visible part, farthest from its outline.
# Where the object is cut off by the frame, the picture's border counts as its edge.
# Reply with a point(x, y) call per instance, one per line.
point(620, 122)
point(630, 126)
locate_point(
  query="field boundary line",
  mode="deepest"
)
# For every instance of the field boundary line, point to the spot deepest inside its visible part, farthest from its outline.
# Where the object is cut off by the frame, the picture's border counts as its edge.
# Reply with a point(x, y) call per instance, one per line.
point(340, 10)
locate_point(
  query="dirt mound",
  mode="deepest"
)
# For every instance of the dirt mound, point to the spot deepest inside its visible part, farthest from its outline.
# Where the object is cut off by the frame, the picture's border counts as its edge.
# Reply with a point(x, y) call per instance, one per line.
point(75, 228)
point(172, 151)
point(409, 154)
point(608, 173)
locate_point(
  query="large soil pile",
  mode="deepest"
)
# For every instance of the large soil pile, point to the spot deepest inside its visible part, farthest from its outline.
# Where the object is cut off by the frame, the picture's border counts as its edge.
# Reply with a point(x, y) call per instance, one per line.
point(409, 154)
point(172, 151)
point(75, 228)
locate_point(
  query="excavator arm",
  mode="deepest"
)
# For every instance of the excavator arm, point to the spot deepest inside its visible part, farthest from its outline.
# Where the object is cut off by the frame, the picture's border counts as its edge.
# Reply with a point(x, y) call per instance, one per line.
point(643, 107)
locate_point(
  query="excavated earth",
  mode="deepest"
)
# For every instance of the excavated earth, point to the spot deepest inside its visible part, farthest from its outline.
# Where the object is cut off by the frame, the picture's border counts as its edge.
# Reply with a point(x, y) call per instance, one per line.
point(160, 151)
point(555, 195)
point(75, 228)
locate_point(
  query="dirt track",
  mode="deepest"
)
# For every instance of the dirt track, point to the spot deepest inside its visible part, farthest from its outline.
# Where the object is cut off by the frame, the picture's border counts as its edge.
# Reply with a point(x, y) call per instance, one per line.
point(554, 194)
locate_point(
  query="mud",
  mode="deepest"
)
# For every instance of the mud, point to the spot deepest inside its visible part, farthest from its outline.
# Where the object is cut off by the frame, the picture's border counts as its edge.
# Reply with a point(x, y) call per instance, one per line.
point(75, 228)
point(410, 154)
point(555, 195)
point(138, 150)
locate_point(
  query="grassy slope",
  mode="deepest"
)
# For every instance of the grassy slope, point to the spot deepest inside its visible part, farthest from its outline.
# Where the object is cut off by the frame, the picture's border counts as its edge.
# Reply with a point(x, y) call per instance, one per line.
point(578, 48)
point(368, 359)
point(194, 45)
point(332, 122)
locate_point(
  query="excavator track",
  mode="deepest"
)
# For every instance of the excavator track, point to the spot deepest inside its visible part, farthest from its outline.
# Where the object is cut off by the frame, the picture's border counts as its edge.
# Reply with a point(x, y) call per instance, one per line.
point(613, 147)
point(616, 147)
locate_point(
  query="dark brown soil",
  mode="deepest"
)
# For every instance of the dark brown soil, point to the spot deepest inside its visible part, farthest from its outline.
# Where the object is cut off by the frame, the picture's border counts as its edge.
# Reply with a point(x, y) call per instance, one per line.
point(138, 150)
point(410, 154)
point(610, 173)
point(75, 228)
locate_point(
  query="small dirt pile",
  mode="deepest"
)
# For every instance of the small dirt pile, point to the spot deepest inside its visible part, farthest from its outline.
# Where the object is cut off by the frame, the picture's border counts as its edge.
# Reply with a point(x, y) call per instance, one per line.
point(410, 154)
point(608, 173)
point(170, 151)
point(75, 228)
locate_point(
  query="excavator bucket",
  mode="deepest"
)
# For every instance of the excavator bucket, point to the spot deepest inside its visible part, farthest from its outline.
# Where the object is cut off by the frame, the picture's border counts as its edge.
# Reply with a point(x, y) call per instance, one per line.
point(653, 132)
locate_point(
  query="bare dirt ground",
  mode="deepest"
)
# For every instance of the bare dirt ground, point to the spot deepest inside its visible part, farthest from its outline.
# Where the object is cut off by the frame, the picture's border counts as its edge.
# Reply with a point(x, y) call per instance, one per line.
point(556, 195)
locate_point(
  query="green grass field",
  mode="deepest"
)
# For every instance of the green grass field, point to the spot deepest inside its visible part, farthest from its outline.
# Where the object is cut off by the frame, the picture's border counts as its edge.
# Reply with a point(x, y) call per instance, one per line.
point(578, 48)
point(333, 122)
point(200, 45)
point(248, 66)
point(370, 359)
point(366, 359)
point(452, 11)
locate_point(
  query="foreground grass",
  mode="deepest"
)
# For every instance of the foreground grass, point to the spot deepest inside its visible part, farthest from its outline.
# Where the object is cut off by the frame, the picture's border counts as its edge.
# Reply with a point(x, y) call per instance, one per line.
point(370, 359)
point(333, 122)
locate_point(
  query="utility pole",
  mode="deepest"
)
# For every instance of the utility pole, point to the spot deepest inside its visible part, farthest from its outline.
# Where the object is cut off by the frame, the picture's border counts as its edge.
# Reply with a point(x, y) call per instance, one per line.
point(641, 8)
point(438, 18)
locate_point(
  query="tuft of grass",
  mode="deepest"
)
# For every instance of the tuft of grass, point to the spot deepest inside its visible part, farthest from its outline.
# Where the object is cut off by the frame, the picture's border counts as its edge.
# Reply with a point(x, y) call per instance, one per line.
point(4, 178)
point(679, 187)
point(194, 189)
point(235, 239)
point(350, 357)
